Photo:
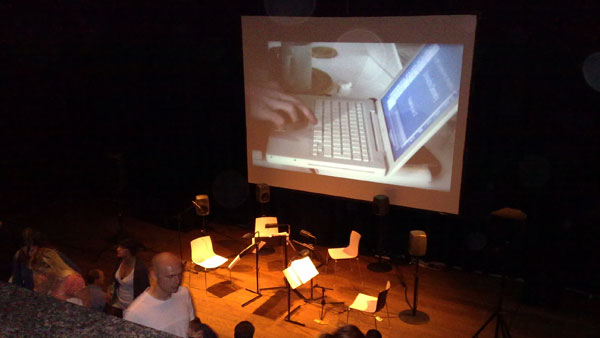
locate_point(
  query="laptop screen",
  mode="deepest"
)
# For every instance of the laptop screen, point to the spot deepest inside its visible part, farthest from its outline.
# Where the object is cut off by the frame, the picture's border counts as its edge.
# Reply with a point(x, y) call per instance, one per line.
point(423, 92)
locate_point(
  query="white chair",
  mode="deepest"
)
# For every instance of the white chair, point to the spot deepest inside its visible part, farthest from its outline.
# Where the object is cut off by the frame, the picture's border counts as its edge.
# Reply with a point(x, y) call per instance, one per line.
point(204, 256)
point(260, 226)
point(349, 252)
point(370, 304)
point(261, 230)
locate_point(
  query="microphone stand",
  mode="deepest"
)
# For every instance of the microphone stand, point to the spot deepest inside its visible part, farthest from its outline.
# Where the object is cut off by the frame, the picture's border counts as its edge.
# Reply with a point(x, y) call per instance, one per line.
point(200, 213)
point(412, 315)
point(323, 302)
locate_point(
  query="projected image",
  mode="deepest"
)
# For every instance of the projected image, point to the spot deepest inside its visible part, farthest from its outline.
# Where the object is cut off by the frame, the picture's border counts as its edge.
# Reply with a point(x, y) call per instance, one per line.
point(357, 107)
point(378, 112)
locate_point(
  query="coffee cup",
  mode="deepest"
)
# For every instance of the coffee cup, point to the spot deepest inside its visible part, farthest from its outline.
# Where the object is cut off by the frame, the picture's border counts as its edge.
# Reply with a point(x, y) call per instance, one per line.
point(296, 66)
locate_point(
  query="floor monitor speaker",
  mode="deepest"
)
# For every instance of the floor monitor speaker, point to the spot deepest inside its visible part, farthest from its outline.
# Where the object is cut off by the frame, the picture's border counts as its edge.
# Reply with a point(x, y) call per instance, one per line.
point(417, 245)
point(202, 205)
point(263, 193)
point(381, 205)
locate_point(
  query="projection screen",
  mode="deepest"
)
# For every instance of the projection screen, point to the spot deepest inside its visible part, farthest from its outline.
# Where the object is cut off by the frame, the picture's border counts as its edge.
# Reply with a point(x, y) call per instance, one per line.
point(357, 107)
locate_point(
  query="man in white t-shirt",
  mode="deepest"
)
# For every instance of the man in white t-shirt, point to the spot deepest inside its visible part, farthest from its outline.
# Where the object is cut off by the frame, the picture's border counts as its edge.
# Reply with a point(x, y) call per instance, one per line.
point(165, 305)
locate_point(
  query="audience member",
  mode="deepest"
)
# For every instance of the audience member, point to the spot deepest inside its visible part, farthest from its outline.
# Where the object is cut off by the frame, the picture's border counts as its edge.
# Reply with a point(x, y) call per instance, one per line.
point(22, 275)
point(165, 306)
point(372, 333)
point(54, 277)
point(346, 331)
point(131, 278)
point(95, 281)
point(244, 329)
point(205, 331)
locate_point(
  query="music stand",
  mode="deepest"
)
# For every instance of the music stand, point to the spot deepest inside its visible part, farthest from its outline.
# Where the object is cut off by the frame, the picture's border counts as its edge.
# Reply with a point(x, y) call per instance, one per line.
point(277, 238)
point(298, 273)
point(241, 254)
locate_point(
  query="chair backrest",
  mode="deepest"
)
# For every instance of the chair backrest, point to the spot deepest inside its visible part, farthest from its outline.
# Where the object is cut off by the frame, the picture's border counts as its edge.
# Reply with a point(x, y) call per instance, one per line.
point(382, 297)
point(202, 249)
point(352, 248)
point(260, 226)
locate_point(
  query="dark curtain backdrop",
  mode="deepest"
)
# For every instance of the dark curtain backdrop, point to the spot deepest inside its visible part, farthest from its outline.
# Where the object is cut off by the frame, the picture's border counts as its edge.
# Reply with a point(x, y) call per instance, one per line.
point(143, 103)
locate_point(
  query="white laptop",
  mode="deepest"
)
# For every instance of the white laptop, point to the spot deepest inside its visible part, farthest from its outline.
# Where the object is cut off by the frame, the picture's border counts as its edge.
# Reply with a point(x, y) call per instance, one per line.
point(376, 136)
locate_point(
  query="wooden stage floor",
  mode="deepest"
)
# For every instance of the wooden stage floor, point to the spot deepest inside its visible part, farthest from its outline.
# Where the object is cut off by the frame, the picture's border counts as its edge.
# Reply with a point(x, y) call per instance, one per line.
point(457, 302)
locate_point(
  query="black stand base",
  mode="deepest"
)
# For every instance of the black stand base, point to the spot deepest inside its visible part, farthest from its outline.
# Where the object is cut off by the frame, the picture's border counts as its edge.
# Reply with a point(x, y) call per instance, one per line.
point(294, 322)
point(258, 295)
point(418, 318)
point(381, 266)
point(274, 288)
point(501, 327)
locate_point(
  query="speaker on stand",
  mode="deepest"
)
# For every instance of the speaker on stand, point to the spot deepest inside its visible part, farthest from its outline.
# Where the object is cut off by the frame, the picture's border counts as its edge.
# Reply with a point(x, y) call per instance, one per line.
point(202, 205)
point(263, 196)
point(381, 208)
point(417, 247)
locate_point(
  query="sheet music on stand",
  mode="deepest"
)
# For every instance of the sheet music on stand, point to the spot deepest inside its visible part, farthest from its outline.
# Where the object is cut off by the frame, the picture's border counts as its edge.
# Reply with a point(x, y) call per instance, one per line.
point(300, 271)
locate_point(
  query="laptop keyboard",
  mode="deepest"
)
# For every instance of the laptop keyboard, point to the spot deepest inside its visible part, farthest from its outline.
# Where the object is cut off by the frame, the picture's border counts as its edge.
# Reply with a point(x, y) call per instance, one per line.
point(340, 130)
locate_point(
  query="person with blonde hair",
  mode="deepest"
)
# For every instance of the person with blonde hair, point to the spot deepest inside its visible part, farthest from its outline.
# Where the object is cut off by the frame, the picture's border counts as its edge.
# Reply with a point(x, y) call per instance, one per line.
point(54, 277)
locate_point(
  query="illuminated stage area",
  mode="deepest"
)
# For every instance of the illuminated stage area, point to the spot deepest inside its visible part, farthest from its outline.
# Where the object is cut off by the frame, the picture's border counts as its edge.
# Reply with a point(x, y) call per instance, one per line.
point(456, 302)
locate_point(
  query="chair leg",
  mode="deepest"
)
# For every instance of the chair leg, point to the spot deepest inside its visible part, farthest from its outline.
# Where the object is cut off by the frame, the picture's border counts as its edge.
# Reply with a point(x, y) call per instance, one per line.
point(375, 320)
point(205, 284)
point(335, 277)
point(347, 316)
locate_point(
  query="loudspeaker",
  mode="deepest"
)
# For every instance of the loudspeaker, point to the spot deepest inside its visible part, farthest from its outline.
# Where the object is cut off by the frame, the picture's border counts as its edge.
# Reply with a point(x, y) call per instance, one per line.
point(202, 205)
point(417, 243)
point(381, 205)
point(263, 194)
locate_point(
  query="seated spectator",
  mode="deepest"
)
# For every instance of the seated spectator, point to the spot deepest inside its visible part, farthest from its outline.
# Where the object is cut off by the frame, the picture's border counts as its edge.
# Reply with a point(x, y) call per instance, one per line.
point(54, 277)
point(372, 333)
point(346, 331)
point(95, 281)
point(165, 305)
point(244, 329)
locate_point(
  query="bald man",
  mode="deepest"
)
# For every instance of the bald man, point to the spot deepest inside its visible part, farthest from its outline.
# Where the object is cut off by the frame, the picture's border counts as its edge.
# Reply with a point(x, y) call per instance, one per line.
point(165, 305)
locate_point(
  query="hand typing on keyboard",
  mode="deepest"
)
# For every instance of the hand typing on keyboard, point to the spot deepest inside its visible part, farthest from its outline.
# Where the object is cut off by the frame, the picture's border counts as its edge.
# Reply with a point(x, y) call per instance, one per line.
point(269, 103)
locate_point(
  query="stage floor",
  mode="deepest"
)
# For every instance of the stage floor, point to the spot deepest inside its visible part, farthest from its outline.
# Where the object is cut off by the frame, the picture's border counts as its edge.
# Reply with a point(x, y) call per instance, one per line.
point(457, 303)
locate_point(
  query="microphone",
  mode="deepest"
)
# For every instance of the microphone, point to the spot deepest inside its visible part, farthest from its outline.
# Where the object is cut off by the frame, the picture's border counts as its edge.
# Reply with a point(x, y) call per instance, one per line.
point(249, 235)
point(306, 245)
point(307, 234)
